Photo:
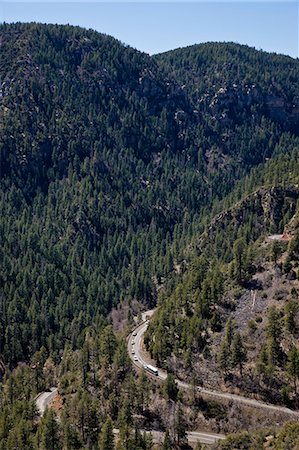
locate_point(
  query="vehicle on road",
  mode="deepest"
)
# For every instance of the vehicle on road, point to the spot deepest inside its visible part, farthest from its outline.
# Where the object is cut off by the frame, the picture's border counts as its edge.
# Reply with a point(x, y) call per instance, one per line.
point(135, 333)
point(133, 351)
point(153, 370)
point(209, 392)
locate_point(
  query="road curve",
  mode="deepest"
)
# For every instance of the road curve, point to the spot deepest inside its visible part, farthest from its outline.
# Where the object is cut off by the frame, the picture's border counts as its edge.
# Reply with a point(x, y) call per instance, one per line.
point(193, 436)
point(140, 358)
point(43, 399)
point(139, 361)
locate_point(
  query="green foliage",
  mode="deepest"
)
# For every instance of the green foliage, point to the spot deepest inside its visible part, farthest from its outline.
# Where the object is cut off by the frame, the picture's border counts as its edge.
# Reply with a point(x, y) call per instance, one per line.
point(274, 335)
point(293, 366)
point(264, 364)
point(275, 251)
point(286, 438)
point(105, 165)
point(271, 354)
point(92, 389)
point(232, 352)
point(291, 313)
point(107, 437)
point(239, 249)
point(243, 441)
point(239, 354)
point(167, 444)
point(170, 388)
point(287, 265)
point(224, 357)
point(293, 249)
point(17, 423)
point(180, 427)
point(110, 172)
point(142, 398)
point(230, 331)
point(48, 432)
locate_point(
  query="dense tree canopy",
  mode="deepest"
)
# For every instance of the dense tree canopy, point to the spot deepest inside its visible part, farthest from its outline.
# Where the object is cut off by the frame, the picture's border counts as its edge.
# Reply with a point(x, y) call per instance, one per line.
point(106, 162)
point(119, 171)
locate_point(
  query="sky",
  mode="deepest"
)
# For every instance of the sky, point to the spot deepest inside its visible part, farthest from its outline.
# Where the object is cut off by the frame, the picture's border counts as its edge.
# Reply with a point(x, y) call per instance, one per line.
point(157, 26)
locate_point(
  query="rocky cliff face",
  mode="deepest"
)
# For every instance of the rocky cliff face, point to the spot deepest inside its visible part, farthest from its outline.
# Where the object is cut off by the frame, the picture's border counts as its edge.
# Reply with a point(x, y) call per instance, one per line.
point(265, 207)
point(231, 100)
point(227, 82)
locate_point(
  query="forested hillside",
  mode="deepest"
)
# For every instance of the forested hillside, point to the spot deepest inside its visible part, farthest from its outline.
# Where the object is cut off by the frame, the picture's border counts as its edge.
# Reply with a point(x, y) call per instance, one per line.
point(228, 82)
point(106, 161)
point(285, 438)
point(233, 319)
point(131, 180)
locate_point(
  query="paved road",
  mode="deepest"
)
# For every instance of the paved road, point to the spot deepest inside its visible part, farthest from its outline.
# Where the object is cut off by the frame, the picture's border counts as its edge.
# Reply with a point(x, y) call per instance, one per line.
point(193, 436)
point(275, 237)
point(203, 438)
point(43, 399)
point(140, 358)
point(280, 237)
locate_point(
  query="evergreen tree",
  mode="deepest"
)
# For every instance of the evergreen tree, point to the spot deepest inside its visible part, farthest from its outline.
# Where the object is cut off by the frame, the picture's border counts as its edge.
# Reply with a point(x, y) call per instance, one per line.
point(170, 387)
point(167, 444)
point(224, 357)
point(274, 333)
point(275, 251)
point(239, 257)
point(48, 432)
point(291, 312)
point(238, 352)
point(229, 331)
point(107, 438)
point(293, 366)
point(142, 392)
point(125, 422)
point(180, 427)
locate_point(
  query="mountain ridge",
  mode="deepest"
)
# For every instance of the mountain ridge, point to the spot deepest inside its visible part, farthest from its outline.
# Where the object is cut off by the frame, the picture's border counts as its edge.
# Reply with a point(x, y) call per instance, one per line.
point(113, 165)
point(97, 139)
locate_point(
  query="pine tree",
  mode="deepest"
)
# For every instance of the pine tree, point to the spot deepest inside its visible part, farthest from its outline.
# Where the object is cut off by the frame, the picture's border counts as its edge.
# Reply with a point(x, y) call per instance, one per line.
point(238, 352)
point(167, 444)
point(180, 427)
point(291, 311)
point(125, 422)
point(262, 360)
point(229, 331)
point(274, 332)
point(48, 432)
point(71, 440)
point(293, 366)
point(142, 392)
point(170, 388)
point(224, 357)
point(275, 251)
point(106, 441)
point(239, 256)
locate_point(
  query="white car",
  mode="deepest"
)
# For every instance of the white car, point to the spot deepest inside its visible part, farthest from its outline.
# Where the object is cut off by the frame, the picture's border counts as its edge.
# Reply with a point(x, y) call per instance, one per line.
point(135, 358)
point(133, 351)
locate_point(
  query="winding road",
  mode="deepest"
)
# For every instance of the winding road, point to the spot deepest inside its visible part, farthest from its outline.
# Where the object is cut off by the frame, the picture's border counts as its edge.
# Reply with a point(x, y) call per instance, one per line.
point(43, 399)
point(141, 358)
point(193, 436)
